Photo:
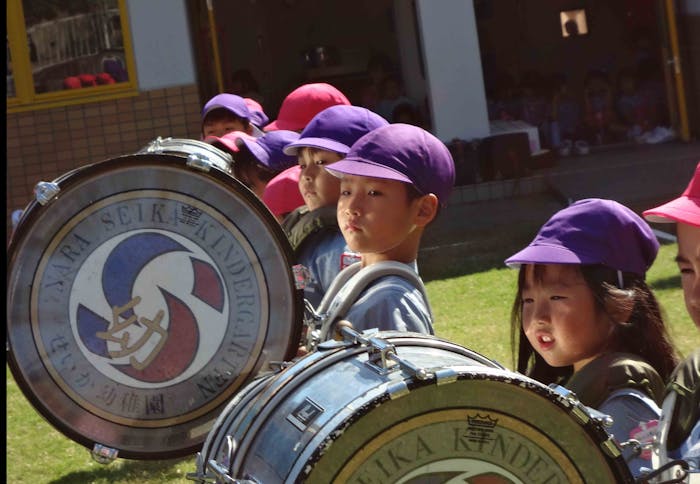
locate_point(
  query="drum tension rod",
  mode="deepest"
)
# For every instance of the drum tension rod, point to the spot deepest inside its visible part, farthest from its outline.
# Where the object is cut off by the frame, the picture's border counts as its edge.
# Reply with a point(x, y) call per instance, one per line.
point(382, 354)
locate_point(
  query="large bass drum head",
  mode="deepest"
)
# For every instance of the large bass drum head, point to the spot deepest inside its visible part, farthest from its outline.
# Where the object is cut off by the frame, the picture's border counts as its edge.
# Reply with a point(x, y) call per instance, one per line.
point(141, 297)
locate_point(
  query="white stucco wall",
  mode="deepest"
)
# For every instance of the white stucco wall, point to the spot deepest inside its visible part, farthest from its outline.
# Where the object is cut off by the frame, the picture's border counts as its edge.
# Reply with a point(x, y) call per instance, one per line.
point(453, 69)
point(162, 45)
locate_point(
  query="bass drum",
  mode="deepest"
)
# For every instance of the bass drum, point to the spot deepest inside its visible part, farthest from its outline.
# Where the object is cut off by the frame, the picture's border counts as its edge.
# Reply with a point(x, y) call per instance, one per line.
point(143, 292)
point(405, 408)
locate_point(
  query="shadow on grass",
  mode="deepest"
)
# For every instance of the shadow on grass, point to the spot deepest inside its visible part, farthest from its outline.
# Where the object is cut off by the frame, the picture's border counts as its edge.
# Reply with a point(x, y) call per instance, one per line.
point(129, 471)
point(671, 282)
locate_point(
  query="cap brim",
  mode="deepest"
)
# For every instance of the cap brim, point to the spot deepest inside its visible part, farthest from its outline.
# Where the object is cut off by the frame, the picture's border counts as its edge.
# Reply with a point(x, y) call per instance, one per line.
point(281, 124)
point(224, 143)
point(257, 132)
point(544, 254)
point(320, 143)
point(348, 166)
point(256, 150)
point(683, 209)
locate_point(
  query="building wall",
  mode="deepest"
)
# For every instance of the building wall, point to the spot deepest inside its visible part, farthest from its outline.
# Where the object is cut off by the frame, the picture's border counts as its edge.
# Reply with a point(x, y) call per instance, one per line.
point(43, 145)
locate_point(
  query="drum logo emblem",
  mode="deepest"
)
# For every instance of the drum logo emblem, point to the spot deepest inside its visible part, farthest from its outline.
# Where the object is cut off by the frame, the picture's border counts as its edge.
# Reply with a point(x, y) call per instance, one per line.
point(139, 303)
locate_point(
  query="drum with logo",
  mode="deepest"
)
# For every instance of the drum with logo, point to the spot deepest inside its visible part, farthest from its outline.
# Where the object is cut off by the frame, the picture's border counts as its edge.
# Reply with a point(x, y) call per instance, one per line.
point(143, 292)
point(405, 408)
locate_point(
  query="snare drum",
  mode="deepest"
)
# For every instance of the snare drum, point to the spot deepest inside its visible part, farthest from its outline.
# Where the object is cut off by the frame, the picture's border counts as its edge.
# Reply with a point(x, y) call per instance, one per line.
point(144, 291)
point(405, 408)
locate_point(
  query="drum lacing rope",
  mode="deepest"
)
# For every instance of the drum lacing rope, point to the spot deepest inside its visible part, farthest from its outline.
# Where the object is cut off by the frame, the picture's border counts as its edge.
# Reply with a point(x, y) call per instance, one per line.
point(681, 475)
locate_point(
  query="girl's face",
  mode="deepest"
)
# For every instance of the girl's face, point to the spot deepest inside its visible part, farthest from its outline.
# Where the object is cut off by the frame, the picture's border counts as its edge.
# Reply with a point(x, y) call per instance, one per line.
point(688, 260)
point(377, 219)
point(560, 317)
point(318, 187)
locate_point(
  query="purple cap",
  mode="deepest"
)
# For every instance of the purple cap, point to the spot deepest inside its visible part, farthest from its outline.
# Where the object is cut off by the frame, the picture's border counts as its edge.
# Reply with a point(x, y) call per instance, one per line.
point(336, 129)
point(268, 149)
point(230, 102)
point(257, 115)
point(402, 152)
point(593, 231)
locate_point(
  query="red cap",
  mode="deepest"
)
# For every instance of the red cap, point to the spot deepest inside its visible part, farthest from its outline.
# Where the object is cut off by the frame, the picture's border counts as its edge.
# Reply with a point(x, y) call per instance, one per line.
point(685, 209)
point(87, 80)
point(228, 141)
point(305, 102)
point(72, 82)
point(104, 78)
point(282, 193)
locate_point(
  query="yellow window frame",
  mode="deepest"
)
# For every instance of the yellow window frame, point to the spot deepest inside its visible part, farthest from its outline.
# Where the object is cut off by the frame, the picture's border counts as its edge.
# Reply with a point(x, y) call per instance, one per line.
point(26, 99)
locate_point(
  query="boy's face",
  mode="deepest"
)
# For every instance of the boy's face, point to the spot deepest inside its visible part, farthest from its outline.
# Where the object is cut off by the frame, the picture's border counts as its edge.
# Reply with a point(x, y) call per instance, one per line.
point(376, 217)
point(318, 187)
point(688, 260)
point(218, 125)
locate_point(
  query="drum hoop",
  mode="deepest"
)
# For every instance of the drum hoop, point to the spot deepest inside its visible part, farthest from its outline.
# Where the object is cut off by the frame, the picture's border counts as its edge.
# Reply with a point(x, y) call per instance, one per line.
point(592, 428)
point(291, 378)
point(75, 177)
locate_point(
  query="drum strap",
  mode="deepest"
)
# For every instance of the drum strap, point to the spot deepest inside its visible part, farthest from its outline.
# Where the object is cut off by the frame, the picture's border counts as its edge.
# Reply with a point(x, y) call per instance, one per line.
point(302, 223)
point(358, 278)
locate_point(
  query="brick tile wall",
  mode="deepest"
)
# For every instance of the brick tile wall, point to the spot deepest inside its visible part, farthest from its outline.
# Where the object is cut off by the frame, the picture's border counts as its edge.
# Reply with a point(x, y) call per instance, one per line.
point(43, 145)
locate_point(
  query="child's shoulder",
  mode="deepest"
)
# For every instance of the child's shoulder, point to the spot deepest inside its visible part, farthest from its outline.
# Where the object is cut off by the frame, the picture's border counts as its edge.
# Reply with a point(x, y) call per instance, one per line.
point(303, 223)
point(615, 371)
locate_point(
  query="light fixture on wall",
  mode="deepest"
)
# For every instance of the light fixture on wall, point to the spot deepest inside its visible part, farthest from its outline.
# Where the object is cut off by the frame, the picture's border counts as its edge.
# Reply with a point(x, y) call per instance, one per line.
point(573, 22)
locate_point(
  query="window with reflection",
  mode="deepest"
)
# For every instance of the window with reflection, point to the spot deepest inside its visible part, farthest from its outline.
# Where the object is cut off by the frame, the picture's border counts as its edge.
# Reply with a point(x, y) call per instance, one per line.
point(66, 49)
point(74, 44)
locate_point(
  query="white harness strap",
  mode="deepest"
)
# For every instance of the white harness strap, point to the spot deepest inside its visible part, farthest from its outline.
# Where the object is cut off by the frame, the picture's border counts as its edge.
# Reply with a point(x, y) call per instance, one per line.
point(353, 280)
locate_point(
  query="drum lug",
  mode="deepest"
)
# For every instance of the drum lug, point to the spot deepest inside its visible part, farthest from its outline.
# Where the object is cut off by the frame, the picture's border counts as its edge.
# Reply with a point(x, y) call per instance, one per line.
point(103, 454)
point(445, 376)
point(44, 192)
point(155, 146)
point(397, 390)
point(199, 162)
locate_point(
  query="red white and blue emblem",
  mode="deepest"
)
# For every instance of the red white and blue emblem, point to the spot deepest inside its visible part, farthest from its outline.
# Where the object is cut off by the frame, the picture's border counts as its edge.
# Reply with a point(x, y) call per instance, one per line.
point(145, 304)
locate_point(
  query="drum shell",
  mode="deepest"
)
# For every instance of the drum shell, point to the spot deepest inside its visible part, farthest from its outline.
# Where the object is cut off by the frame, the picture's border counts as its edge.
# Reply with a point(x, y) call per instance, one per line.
point(168, 175)
point(350, 409)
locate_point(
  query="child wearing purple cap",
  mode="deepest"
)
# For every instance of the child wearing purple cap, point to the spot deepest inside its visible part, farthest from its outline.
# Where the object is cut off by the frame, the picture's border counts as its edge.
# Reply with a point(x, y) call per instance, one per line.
point(392, 183)
point(681, 408)
point(225, 113)
point(585, 318)
point(256, 160)
point(313, 228)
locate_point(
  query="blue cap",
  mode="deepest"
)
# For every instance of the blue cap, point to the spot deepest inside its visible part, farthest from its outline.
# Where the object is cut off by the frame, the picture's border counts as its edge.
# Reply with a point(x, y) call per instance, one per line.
point(336, 129)
point(402, 152)
point(268, 149)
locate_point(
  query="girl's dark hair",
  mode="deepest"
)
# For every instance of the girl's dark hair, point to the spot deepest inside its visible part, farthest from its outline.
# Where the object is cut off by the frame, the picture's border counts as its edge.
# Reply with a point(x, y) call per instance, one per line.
point(643, 334)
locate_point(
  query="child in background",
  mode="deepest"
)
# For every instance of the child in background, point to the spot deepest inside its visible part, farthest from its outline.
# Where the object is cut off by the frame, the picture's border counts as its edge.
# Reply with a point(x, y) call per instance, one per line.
point(282, 195)
point(313, 228)
point(305, 102)
point(598, 105)
point(297, 110)
point(585, 318)
point(683, 439)
point(392, 183)
point(225, 113)
point(257, 160)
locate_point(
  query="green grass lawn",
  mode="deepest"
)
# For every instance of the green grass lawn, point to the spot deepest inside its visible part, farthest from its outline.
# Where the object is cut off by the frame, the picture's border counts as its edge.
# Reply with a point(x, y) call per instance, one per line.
point(472, 310)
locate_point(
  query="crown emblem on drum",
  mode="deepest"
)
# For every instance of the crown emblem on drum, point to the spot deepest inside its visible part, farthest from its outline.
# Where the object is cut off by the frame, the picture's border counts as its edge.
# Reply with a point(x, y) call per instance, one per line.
point(484, 422)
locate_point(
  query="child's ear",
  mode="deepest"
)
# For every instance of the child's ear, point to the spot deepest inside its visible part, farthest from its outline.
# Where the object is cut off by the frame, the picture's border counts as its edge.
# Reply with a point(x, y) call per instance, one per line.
point(427, 209)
